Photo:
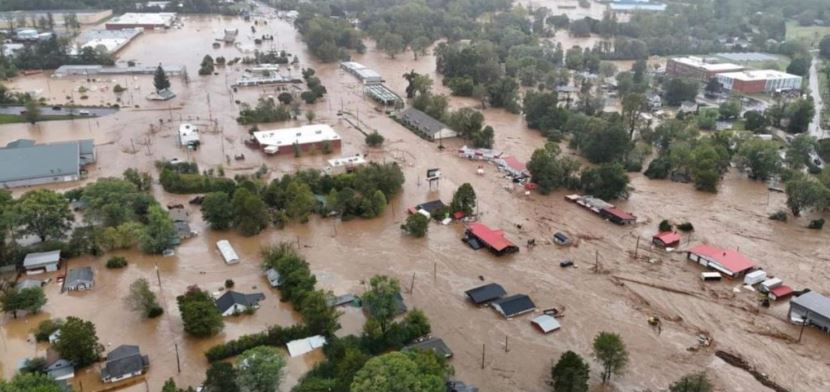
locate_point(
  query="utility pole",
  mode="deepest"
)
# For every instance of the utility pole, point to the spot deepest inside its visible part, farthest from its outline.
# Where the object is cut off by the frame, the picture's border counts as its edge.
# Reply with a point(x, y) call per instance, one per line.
point(803, 324)
point(412, 283)
point(506, 349)
point(158, 275)
point(178, 363)
point(482, 355)
point(637, 247)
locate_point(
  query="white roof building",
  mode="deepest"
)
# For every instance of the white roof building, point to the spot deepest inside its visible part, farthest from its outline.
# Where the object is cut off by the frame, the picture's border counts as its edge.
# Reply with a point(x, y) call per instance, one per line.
point(146, 20)
point(307, 134)
point(303, 346)
point(707, 64)
point(188, 135)
point(339, 165)
point(366, 75)
point(756, 81)
point(227, 251)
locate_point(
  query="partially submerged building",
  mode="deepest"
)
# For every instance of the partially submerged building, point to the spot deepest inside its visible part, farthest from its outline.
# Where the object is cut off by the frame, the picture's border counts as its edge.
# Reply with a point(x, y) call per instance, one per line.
point(79, 279)
point(485, 294)
point(382, 95)
point(274, 278)
point(424, 125)
point(361, 72)
point(24, 163)
point(232, 302)
point(108, 41)
point(57, 368)
point(35, 263)
point(189, 136)
point(546, 323)
point(227, 252)
point(151, 21)
point(435, 345)
point(666, 239)
point(304, 138)
point(482, 236)
point(514, 305)
point(304, 346)
point(729, 262)
point(617, 216)
point(124, 362)
point(602, 208)
point(428, 209)
point(513, 167)
point(345, 164)
point(811, 308)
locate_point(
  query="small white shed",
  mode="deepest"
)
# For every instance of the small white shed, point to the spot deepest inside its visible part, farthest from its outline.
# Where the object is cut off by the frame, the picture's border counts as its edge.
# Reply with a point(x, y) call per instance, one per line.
point(755, 277)
point(227, 252)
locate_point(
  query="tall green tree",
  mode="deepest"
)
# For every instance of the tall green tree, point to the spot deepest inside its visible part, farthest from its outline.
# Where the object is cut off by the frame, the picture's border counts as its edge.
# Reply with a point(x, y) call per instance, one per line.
point(29, 299)
point(44, 213)
point(697, 382)
point(570, 374)
point(249, 212)
point(550, 172)
point(678, 90)
point(318, 315)
point(416, 225)
point(159, 233)
point(804, 193)
point(609, 181)
point(610, 351)
point(800, 114)
point(160, 80)
point(760, 157)
point(799, 151)
point(78, 342)
point(221, 377)
point(464, 199)
point(380, 301)
point(200, 316)
point(142, 300)
point(30, 382)
point(260, 369)
point(217, 210)
point(396, 371)
point(32, 114)
point(633, 105)
point(392, 44)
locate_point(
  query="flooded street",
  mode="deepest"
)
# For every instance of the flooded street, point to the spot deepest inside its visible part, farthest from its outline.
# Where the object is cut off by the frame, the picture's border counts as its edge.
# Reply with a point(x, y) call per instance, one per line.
point(439, 268)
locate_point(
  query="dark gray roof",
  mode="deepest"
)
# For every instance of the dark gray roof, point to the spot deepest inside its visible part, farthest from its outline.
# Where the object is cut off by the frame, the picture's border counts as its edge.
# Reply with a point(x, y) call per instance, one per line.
point(460, 386)
point(80, 275)
point(814, 302)
point(514, 305)
point(431, 206)
point(41, 160)
point(437, 345)
point(231, 298)
point(124, 360)
point(400, 306)
point(486, 293)
point(422, 121)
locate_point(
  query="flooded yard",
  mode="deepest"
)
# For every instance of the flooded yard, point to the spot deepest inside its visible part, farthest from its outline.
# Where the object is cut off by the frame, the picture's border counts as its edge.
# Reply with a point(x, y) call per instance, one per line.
point(438, 268)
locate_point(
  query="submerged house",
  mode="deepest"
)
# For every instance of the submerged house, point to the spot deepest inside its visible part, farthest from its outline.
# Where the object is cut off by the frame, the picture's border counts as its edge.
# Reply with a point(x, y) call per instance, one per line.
point(729, 262)
point(44, 163)
point(424, 125)
point(233, 302)
point(484, 294)
point(489, 238)
point(435, 345)
point(274, 278)
point(666, 239)
point(514, 305)
point(428, 209)
point(79, 279)
point(124, 362)
point(811, 308)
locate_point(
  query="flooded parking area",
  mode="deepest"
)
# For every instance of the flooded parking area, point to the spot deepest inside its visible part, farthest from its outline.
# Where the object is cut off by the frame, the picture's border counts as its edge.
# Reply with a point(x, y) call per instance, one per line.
point(610, 290)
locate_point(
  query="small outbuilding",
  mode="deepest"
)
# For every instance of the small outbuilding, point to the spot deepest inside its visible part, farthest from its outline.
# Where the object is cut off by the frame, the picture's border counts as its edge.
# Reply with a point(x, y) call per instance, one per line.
point(124, 362)
point(755, 277)
point(79, 279)
point(546, 323)
point(514, 305)
point(58, 368)
point(618, 216)
point(782, 291)
point(227, 251)
point(435, 345)
point(189, 136)
point(232, 302)
point(485, 294)
point(666, 239)
point(35, 263)
point(274, 278)
point(303, 346)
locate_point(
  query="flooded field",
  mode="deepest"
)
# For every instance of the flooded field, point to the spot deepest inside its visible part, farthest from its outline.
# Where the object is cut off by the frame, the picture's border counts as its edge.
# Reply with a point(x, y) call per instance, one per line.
point(439, 268)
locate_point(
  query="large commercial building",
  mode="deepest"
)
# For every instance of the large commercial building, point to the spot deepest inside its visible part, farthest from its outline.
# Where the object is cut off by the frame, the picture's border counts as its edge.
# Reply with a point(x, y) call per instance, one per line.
point(625, 6)
point(366, 75)
point(111, 41)
point(305, 138)
point(133, 20)
point(699, 68)
point(761, 81)
point(24, 163)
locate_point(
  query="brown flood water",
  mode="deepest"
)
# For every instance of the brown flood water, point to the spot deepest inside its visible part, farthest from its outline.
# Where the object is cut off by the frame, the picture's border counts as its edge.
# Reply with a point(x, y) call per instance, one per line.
point(344, 255)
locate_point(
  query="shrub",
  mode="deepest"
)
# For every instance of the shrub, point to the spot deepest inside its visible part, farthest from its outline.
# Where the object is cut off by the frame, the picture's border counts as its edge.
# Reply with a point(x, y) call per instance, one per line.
point(374, 139)
point(155, 312)
point(229, 283)
point(779, 216)
point(416, 225)
point(664, 226)
point(274, 336)
point(816, 224)
point(118, 89)
point(685, 227)
point(116, 262)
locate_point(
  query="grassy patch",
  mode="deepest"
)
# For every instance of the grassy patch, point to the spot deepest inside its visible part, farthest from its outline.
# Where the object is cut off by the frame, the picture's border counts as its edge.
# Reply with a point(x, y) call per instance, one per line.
point(10, 119)
point(824, 90)
point(811, 35)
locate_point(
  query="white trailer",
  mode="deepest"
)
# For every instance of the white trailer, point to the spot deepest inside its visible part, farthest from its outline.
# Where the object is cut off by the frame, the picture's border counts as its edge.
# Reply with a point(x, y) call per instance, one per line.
point(755, 277)
point(227, 252)
point(770, 284)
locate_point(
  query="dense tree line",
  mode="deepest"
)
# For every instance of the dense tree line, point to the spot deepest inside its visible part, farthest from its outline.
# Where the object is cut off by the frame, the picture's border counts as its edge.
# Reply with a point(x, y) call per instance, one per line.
point(54, 52)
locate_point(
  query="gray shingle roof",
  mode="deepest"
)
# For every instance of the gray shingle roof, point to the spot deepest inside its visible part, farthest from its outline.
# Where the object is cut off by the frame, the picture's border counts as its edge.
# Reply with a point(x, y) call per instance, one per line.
point(124, 360)
point(21, 160)
point(486, 293)
point(41, 259)
point(815, 302)
point(514, 305)
point(422, 121)
point(230, 298)
point(79, 275)
point(436, 345)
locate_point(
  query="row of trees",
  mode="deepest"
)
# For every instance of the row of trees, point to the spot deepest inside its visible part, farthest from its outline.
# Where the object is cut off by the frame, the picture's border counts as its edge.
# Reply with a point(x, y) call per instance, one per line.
point(249, 206)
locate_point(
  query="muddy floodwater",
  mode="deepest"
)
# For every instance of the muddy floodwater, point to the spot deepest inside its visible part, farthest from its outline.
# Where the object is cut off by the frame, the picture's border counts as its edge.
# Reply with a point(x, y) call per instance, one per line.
point(609, 290)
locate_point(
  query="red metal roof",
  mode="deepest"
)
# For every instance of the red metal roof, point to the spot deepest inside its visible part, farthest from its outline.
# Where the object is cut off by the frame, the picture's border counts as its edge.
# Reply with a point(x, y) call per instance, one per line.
point(620, 213)
point(494, 238)
point(731, 259)
point(667, 237)
point(515, 164)
point(781, 291)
